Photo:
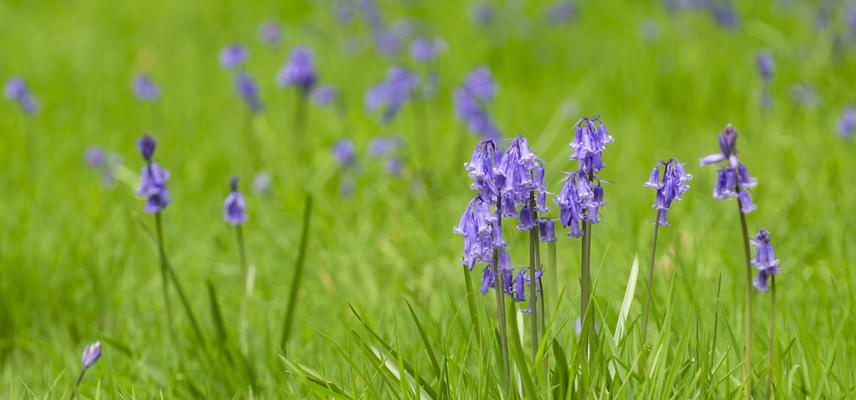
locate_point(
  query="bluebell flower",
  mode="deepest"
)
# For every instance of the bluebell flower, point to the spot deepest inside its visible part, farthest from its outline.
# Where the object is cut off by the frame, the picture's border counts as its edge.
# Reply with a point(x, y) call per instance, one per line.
point(152, 179)
point(765, 64)
point(589, 142)
point(847, 122)
point(477, 226)
point(234, 207)
point(325, 95)
point(384, 145)
point(560, 12)
point(270, 33)
point(299, 71)
point(249, 91)
point(733, 180)
point(546, 230)
point(144, 88)
point(519, 176)
point(669, 188)
point(344, 152)
point(392, 93)
point(484, 14)
point(16, 90)
point(482, 168)
point(426, 50)
point(91, 354)
point(471, 98)
point(765, 260)
point(233, 56)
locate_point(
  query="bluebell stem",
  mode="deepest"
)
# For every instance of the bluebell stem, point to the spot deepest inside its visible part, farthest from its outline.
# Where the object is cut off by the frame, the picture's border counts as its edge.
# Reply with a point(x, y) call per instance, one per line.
point(766, 65)
point(144, 88)
point(235, 214)
point(582, 196)
point(270, 33)
point(768, 267)
point(847, 122)
point(299, 72)
point(733, 180)
point(16, 90)
point(249, 91)
point(91, 354)
point(392, 93)
point(670, 187)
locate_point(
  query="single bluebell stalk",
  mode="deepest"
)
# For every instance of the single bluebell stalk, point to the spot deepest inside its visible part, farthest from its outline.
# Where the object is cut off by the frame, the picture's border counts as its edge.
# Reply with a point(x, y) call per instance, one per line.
point(299, 71)
point(234, 207)
point(233, 56)
point(325, 95)
point(847, 122)
point(249, 91)
point(471, 99)
point(392, 93)
point(344, 152)
point(426, 50)
point(152, 178)
point(91, 354)
point(670, 187)
point(766, 65)
point(144, 88)
point(270, 33)
point(561, 12)
point(16, 90)
point(733, 180)
point(768, 267)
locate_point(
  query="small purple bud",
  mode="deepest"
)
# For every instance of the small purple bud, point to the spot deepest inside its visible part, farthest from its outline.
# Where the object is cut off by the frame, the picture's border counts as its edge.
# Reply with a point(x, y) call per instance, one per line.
point(765, 64)
point(16, 90)
point(147, 147)
point(233, 56)
point(145, 89)
point(234, 208)
point(91, 354)
point(393, 166)
point(426, 50)
point(247, 90)
point(95, 157)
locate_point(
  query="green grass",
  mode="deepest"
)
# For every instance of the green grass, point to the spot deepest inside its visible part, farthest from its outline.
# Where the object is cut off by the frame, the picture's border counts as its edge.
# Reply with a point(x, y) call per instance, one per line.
point(77, 263)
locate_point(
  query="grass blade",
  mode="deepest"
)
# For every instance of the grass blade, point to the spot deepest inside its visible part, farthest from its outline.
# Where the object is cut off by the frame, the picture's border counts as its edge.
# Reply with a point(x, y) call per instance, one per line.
point(298, 273)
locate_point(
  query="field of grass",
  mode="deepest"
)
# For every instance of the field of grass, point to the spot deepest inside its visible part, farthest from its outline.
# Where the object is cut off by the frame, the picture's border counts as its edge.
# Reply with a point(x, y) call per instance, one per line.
point(381, 308)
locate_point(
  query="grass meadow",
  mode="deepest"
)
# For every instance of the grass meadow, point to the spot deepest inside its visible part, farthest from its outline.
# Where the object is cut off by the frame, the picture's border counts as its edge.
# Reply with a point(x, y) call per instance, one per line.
point(379, 299)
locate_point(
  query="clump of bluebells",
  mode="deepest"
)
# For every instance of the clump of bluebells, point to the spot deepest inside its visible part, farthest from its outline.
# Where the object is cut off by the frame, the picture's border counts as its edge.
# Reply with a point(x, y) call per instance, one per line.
point(299, 71)
point(391, 94)
point(471, 101)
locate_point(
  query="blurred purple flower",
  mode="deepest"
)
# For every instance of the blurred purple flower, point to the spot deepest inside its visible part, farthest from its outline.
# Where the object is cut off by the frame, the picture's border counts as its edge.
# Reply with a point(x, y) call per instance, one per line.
point(234, 208)
point(484, 14)
point(325, 95)
point(270, 33)
point(847, 122)
point(102, 162)
point(16, 90)
point(393, 166)
point(247, 89)
point(850, 18)
point(261, 183)
point(546, 230)
point(384, 145)
point(147, 145)
point(560, 12)
point(233, 56)
point(765, 260)
point(471, 97)
point(724, 14)
point(144, 88)
point(299, 71)
point(91, 354)
point(426, 50)
point(804, 94)
point(152, 179)
point(670, 187)
point(765, 64)
point(344, 152)
point(477, 226)
point(392, 93)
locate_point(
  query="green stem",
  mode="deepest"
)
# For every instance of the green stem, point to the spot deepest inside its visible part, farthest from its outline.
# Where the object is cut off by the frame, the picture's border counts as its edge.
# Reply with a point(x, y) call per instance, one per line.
point(245, 322)
point(77, 384)
point(164, 268)
point(298, 273)
point(772, 345)
point(554, 274)
point(650, 277)
point(533, 292)
point(747, 362)
point(585, 283)
point(499, 288)
point(474, 314)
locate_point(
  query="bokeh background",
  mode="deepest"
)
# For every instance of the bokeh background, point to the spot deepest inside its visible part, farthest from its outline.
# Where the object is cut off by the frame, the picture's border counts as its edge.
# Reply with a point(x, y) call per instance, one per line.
point(76, 264)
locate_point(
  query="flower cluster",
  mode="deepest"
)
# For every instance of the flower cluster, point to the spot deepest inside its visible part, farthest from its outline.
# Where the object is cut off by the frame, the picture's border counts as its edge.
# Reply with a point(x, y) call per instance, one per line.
point(765, 260)
point(582, 194)
point(392, 93)
point(733, 180)
point(144, 88)
point(520, 179)
point(152, 178)
point(16, 90)
point(234, 208)
point(249, 91)
point(471, 98)
point(670, 187)
point(299, 71)
point(426, 50)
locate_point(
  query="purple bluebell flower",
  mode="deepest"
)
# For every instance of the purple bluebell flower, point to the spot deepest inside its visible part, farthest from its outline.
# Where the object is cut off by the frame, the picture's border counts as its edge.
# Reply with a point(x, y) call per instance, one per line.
point(91, 354)
point(426, 50)
point(16, 90)
point(152, 178)
point(484, 14)
point(371, 13)
point(570, 204)
point(102, 162)
point(344, 12)
point(590, 140)
point(724, 15)
point(733, 180)
point(847, 122)
point(344, 153)
point(392, 93)
point(299, 71)
point(384, 145)
point(519, 291)
point(261, 183)
point(482, 168)
point(766, 65)
point(520, 176)
point(546, 230)
point(560, 12)
point(144, 88)
point(234, 208)
point(765, 260)
point(270, 33)
point(325, 95)
point(670, 187)
point(504, 268)
point(249, 91)
point(471, 98)
point(233, 56)
point(388, 41)
point(95, 157)
point(393, 166)
point(477, 226)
